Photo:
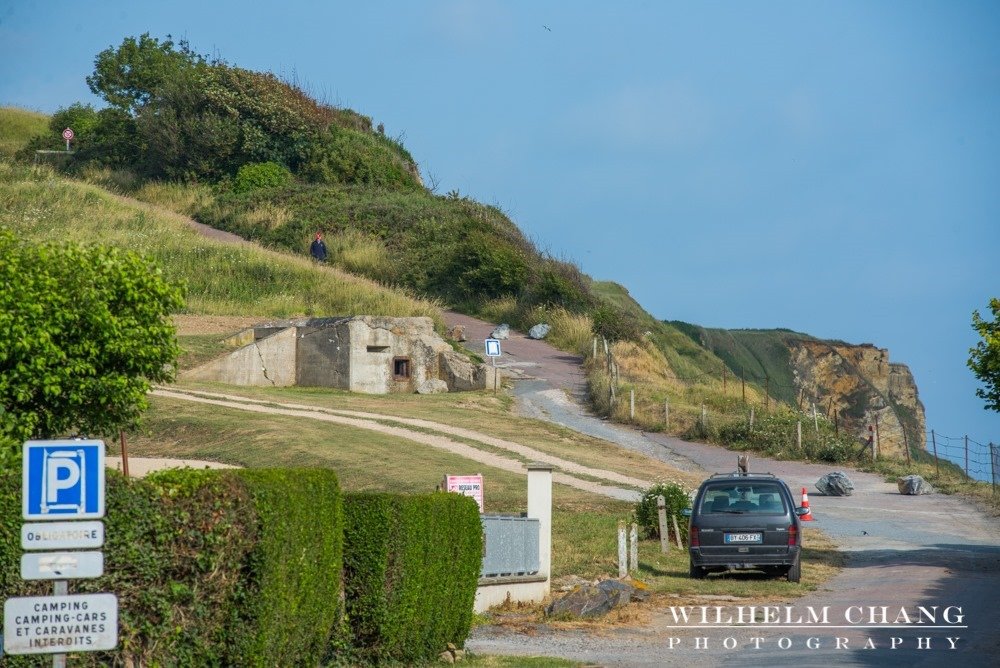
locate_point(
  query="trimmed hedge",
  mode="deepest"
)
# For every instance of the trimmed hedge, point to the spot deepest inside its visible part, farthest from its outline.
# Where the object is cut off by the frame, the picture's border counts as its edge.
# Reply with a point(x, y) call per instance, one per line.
point(289, 609)
point(411, 566)
point(211, 568)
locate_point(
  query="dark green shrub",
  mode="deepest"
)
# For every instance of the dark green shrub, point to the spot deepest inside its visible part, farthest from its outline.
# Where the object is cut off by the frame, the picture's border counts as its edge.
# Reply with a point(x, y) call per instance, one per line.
point(173, 553)
point(210, 568)
point(647, 512)
point(346, 156)
point(615, 324)
point(411, 565)
point(287, 610)
point(261, 175)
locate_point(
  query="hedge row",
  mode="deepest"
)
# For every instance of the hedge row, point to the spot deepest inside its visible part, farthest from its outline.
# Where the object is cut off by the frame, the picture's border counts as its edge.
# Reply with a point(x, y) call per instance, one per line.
point(245, 568)
point(411, 565)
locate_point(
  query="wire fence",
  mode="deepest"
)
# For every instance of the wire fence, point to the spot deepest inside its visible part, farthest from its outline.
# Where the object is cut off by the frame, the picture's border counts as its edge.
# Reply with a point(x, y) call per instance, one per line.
point(979, 461)
point(812, 424)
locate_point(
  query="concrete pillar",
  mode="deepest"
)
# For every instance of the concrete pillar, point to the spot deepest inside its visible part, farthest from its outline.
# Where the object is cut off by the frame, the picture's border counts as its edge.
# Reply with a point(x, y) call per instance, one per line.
point(540, 508)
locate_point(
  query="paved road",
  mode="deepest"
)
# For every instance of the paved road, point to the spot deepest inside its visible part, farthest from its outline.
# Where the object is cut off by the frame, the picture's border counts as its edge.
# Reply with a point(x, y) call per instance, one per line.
point(904, 552)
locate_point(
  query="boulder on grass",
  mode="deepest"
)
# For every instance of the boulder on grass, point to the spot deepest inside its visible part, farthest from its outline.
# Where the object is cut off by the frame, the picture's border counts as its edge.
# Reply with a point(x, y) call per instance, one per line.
point(592, 600)
point(835, 484)
point(914, 484)
point(432, 386)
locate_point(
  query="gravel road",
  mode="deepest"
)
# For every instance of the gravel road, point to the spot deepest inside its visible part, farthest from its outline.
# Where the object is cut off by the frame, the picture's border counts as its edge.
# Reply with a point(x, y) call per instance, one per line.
point(903, 552)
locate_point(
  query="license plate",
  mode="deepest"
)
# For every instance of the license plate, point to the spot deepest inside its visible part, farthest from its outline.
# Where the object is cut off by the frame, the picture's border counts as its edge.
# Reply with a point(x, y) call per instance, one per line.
point(743, 538)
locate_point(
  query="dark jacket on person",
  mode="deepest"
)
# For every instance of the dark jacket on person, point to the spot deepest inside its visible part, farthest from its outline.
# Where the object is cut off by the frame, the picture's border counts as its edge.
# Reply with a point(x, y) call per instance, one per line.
point(318, 250)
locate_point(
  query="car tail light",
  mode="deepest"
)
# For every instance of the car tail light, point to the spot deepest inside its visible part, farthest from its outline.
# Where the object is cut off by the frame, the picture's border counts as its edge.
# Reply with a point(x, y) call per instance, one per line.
point(693, 537)
point(793, 535)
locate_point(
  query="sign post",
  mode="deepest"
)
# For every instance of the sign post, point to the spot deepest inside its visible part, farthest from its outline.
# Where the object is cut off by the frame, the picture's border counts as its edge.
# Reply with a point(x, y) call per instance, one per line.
point(63, 481)
point(68, 135)
point(493, 352)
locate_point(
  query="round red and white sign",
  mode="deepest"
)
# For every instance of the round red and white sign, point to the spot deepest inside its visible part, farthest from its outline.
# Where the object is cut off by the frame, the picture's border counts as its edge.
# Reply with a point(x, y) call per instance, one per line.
point(67, 134)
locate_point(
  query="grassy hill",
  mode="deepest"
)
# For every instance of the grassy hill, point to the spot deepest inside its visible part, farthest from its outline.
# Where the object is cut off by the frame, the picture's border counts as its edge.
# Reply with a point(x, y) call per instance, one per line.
point(17, 127)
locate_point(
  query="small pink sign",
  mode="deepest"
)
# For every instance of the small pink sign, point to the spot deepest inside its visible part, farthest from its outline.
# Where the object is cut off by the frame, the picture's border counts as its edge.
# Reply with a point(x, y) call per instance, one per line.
point(468, 485)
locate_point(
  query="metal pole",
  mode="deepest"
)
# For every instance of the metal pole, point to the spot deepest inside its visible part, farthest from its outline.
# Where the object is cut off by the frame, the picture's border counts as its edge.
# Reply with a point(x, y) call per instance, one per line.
point(59, 588)
point(877, 443)
point(723, 380)
point(121, 435)
point(937, 464)
point(633, 548)
point(767, 392)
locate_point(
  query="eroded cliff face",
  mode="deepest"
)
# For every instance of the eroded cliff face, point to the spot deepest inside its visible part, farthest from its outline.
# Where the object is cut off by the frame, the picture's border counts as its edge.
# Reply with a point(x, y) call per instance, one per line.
point(860, 386)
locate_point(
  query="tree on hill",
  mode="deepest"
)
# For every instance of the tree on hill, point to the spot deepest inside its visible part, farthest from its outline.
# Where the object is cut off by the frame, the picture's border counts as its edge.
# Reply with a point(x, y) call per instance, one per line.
point(984, 359)
point(186, 117)
point(84, 332)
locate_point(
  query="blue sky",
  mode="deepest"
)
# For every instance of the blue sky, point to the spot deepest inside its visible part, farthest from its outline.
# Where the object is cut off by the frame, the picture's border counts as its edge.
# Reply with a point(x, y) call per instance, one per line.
point(829, 167)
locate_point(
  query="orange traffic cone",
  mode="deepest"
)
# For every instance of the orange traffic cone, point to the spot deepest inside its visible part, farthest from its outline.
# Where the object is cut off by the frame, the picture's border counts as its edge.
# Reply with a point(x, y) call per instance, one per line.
point(805, 504)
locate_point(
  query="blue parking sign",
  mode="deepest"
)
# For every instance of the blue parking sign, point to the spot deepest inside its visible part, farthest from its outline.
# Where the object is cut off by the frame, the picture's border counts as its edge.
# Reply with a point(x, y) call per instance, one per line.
point(63, 480)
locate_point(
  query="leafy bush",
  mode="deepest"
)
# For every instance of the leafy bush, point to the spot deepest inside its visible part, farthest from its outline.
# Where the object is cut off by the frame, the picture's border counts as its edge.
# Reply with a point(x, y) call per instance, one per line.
point(411, 566)
point(261, 175)
point(84, 332)
point(615, 324)
point(647, 512)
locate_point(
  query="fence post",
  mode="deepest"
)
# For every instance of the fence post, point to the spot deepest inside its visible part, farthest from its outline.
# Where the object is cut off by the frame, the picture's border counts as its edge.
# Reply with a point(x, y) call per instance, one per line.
point(767, 392)
point(751, 418)
point(966, 455)
point(836, 422)
point(677, 532)
point(877, 443)
point(815, 419)
point(937, 464)
point(622, 550)
point(743, 383)
point(666, 414)
point(723, 380)
point(631, 405)
point(633, 553)
point(593, 355)
point(906, 444)
point(661, 515)
point(704, 416)
point(993, 467)
point(798, 434)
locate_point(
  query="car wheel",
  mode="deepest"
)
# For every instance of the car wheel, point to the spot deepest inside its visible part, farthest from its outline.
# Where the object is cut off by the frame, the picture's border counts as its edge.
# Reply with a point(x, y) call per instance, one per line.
point(795, 570)
point(697, 572)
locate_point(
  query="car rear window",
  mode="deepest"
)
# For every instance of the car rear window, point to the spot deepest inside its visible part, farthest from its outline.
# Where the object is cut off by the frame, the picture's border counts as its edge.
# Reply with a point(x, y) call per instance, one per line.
point(757, 498)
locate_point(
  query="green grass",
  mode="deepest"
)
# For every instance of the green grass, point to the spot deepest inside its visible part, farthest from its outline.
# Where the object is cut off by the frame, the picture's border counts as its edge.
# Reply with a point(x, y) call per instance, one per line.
point(221, 278)
point(17, 126)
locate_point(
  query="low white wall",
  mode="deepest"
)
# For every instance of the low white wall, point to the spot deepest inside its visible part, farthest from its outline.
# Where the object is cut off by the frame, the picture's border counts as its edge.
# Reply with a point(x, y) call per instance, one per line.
point(528, 590)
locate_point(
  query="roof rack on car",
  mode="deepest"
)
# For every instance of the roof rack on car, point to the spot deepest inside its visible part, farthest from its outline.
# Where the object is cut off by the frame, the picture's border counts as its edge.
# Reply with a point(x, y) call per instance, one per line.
point(739, 474)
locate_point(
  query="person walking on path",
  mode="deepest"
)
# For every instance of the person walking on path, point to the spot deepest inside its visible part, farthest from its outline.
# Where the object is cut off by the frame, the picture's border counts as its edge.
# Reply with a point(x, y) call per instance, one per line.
point(318, 249)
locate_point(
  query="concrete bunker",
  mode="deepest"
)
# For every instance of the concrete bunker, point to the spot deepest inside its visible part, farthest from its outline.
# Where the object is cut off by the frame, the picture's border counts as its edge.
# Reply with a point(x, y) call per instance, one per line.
point(367, 354)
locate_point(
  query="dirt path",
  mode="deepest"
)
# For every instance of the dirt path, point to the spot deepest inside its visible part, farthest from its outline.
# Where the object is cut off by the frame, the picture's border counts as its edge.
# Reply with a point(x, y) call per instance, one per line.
point(378, 422)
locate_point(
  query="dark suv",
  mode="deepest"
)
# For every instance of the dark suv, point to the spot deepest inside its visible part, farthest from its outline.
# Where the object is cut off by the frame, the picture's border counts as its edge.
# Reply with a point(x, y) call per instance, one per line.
point(745, 521)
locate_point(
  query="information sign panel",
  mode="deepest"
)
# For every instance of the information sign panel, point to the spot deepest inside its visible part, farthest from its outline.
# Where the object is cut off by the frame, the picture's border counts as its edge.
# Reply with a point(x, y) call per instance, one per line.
point(60, 624)
point(62, 535)
point(61, 565)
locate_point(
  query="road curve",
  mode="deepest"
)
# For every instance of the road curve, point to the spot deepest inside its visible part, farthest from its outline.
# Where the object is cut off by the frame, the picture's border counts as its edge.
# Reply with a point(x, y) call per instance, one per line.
point(903, 552)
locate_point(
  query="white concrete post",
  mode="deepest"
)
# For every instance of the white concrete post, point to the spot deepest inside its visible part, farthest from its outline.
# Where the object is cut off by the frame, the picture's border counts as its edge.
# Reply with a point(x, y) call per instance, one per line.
point(622, 550)
point(540, 508)
point(633, 548)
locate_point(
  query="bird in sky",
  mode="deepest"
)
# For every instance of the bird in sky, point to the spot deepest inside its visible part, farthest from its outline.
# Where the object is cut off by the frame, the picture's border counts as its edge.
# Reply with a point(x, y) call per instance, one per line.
point(547, 28)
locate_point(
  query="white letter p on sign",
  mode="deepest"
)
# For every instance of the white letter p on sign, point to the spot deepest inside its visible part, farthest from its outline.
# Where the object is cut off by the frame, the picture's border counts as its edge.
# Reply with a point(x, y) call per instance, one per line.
point(55, 483)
